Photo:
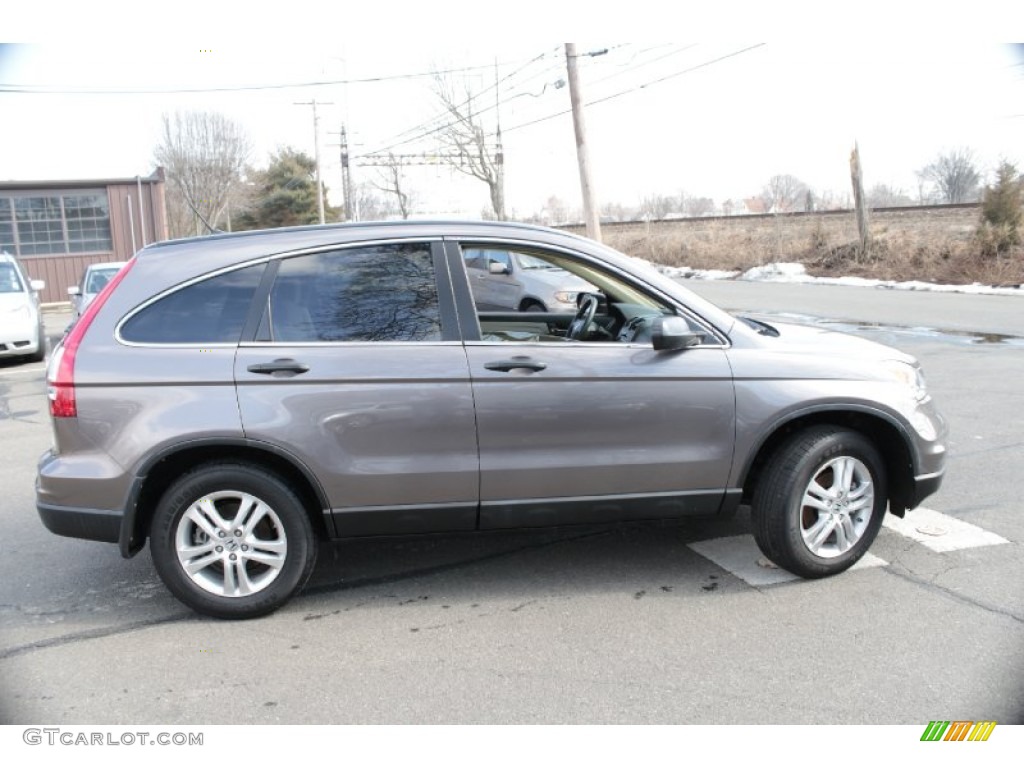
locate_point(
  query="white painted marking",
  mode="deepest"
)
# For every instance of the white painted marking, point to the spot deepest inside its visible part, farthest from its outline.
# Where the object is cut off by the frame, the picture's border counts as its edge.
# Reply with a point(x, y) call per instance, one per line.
point(923, 526)
point(39, 368)
point(740, 556)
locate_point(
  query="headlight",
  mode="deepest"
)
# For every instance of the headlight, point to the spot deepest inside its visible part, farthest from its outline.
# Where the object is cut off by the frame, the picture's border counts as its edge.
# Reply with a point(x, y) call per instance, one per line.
point(908, 374)
point(567, 297)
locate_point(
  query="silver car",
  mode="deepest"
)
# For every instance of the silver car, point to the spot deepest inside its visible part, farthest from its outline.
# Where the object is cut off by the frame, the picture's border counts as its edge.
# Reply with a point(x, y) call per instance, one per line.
point(233, 399)
point(505, 279)
point(21, 322)
point(94, 279)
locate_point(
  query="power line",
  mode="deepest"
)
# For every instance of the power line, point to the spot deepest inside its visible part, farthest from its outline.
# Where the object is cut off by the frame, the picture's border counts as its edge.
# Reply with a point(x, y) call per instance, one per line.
point(442, 127)
point(437, 129)
point(639, 87)
point(60, 90)
point(642, 64)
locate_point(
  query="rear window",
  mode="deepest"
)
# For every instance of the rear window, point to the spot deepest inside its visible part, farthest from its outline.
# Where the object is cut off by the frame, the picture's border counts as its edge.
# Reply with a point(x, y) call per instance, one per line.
point(212, 311)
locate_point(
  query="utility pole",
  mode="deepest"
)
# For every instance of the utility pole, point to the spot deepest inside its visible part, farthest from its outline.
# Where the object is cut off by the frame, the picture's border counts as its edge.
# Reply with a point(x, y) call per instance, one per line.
point(346, 175)
point(316, 152)
point(499, 152)
point(861, 204)
point(590, 210)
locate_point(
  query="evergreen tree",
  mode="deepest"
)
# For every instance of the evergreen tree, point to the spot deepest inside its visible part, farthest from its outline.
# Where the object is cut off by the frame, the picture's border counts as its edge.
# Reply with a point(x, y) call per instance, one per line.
point(284, 194)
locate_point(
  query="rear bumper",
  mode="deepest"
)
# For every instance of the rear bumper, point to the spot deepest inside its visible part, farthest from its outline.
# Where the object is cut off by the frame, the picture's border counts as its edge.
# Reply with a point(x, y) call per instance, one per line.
point(81, 523)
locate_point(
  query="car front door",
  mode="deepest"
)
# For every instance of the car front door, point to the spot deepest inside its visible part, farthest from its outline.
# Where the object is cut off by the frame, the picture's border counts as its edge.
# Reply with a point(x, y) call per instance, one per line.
point(598, 429)
point(357, 370)
point(493, 290)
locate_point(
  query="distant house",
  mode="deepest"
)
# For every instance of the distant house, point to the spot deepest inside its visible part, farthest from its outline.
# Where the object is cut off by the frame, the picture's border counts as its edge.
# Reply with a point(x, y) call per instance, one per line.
point(755, 205)
point(58, 228)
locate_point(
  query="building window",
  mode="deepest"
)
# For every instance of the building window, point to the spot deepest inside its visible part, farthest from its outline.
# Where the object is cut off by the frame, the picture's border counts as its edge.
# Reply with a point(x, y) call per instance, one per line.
point(55, 224)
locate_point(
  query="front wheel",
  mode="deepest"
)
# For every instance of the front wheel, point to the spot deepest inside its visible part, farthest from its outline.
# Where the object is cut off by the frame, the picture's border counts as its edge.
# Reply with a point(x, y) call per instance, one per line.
point(232, 541)
point(820, 501)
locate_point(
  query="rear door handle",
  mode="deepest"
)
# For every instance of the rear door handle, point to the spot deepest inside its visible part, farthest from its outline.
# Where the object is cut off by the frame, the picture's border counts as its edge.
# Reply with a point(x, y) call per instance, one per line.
point(284, 366)
point(522, 363)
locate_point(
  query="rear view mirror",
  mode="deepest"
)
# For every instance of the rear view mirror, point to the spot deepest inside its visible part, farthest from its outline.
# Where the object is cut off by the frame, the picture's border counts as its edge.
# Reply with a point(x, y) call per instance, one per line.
point(497, 268)
point(671, 333)
point(37, 285)
point(73, 290)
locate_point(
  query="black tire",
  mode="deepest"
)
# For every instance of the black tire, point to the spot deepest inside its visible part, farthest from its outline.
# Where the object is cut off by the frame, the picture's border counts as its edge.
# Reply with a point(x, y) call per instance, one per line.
point(788, 522)
point(531, 305)
point(275, 557)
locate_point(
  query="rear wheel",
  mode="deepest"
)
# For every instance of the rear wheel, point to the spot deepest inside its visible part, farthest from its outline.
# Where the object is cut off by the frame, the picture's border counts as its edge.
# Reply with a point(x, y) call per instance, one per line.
point(820, 501)
point(232, 541)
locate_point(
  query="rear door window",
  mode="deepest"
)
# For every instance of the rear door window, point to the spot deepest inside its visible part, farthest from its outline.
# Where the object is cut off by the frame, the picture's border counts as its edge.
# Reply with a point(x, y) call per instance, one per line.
point(376, 293)
point(211, 311)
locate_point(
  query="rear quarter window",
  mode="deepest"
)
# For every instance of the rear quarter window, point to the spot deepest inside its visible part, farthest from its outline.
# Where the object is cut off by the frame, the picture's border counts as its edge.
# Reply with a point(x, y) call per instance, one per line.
point(212, 311)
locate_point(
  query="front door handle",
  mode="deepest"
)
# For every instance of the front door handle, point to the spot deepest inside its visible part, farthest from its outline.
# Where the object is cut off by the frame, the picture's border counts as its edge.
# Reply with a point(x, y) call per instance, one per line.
point(283, 365)
point(521, 363)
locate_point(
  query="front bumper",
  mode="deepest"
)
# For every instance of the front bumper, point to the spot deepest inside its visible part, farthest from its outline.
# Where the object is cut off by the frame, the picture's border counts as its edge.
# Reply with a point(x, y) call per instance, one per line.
point(924, 486)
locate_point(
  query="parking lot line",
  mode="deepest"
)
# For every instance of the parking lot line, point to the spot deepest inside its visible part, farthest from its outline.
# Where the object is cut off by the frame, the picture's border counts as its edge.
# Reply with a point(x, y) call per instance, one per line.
point(941, 533)
point(24, 369)
point(740, 556)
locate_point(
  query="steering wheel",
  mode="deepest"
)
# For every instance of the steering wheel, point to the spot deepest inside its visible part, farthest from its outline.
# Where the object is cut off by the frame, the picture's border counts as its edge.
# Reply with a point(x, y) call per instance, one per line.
point(584, 317)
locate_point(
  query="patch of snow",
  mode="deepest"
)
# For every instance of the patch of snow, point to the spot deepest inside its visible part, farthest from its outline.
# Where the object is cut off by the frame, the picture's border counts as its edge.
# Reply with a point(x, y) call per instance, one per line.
point(794, 272)
point(780, 272)
point(690, 273)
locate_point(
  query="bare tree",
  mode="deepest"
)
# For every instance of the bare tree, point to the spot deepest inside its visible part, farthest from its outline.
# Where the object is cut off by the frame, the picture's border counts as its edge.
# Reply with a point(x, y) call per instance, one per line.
point(699, 206)
point(884, 196)
point(203, 154)
point(616, 212)
point(783, 193)
point(658, 206)
point(555, 211)
point(953, 175)
point(465, 142)
point(391, 181)
point(369, 205)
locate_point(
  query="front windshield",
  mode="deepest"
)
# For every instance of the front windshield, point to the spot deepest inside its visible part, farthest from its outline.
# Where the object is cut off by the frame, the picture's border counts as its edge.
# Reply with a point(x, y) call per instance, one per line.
point(526, 261)
point(10, 281)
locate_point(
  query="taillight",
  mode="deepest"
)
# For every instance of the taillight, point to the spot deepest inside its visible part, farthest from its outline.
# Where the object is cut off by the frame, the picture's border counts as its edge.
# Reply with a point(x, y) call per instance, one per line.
point(60, 380)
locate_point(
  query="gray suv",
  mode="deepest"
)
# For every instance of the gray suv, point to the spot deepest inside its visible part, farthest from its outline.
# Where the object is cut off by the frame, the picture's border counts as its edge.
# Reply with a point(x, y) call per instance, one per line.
point(236, 398)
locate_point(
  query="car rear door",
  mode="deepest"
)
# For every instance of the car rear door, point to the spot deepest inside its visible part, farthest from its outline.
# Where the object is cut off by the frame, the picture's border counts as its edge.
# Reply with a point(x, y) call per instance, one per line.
point(356, 368)
point(596, 430)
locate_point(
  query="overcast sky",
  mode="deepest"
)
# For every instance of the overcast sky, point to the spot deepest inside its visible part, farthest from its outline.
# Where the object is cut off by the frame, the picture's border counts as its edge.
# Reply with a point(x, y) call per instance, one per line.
point(713, 119)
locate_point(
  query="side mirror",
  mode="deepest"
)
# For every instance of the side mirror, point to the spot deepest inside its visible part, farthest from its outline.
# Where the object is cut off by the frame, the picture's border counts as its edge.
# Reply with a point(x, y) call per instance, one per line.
point(74, 291)
point(497, 268)
point(37, 285)
point(672, 333)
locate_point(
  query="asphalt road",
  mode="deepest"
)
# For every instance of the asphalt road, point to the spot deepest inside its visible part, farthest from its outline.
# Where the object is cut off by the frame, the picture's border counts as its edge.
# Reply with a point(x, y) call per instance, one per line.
point(589, 625)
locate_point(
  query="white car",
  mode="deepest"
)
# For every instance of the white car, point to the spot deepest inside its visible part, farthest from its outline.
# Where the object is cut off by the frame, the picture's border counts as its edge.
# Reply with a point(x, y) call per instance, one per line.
point(94, 280)
point(503, 280)
point(21, 323)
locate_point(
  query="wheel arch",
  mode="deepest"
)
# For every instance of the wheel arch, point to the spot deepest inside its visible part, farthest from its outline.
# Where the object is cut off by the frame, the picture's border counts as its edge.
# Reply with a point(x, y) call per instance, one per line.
point(157, 473)
point(528, 300)
point(885, 432)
